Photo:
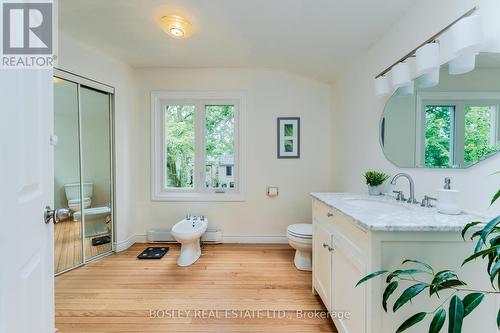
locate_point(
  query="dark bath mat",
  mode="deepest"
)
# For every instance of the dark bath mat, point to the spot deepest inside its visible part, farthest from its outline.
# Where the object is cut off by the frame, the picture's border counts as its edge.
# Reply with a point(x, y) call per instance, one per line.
point(153, 253)
point(101, 240)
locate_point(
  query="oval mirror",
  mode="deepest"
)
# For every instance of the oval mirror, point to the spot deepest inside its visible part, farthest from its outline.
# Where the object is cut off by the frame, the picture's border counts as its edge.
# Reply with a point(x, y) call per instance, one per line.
point(454, 124)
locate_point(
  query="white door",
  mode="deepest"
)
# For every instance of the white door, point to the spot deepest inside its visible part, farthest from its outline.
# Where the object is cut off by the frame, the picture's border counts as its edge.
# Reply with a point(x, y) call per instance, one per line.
point(26, 186)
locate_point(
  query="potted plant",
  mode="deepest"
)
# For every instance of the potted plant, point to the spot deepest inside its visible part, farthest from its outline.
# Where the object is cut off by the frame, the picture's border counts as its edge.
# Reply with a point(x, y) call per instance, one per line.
point(374, 179)
point(458, 298)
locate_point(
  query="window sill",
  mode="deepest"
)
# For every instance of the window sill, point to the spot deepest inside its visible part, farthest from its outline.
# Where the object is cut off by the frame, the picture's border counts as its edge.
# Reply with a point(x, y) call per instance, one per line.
point(198, 197)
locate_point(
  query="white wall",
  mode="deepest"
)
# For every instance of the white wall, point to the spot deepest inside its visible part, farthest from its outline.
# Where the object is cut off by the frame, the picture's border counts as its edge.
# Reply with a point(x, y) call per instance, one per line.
point(82, 60)
point(356, 110)
point(269, 94)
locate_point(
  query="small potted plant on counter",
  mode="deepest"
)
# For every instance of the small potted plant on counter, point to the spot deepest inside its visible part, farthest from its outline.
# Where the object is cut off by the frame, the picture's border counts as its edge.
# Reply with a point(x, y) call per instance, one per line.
point(374, 180)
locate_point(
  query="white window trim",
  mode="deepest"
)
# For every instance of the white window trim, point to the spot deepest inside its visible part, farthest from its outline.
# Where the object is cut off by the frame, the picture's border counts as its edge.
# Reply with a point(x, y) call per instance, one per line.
point(158, 193)
point(463, 98)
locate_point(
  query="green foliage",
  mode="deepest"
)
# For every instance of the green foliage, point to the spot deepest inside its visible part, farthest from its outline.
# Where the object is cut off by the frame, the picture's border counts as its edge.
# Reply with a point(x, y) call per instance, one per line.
point(179, 129)
point(447, 282)
point(477, 134)
point(375, 178)
point(180, 141)
point(437, 136)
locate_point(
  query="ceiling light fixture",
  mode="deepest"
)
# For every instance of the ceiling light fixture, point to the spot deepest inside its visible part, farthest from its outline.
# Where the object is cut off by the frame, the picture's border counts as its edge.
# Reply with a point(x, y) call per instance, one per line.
point(176, 26)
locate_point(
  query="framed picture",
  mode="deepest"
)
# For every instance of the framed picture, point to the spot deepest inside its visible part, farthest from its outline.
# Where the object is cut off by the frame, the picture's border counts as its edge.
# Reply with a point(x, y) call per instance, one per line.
point(288, 137)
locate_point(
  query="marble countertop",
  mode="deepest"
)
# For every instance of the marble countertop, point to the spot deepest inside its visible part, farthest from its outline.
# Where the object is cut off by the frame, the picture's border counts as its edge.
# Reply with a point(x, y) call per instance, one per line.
point(384, 213)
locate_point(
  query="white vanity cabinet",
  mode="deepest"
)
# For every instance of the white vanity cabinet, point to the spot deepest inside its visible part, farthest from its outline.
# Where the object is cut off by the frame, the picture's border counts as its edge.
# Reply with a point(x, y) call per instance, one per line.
point(354, 235)
point(337, 263)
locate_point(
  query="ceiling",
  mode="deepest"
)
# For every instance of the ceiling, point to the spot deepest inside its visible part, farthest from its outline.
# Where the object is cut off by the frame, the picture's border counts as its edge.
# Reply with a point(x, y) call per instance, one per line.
point(316, 38)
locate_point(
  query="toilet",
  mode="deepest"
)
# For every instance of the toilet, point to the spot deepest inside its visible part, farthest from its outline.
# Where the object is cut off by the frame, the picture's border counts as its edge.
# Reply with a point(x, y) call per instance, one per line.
point(188, 232)
point(300, 238)
point(73, 196)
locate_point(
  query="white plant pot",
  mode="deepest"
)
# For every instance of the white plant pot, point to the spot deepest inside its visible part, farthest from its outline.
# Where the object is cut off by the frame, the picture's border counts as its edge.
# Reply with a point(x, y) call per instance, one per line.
point(374, 190)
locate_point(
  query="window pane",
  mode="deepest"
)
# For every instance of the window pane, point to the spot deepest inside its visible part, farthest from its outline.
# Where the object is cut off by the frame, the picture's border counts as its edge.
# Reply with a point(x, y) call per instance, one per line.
point(438, 129)
point(219, 148)
point(480, 134)
point(179, 142)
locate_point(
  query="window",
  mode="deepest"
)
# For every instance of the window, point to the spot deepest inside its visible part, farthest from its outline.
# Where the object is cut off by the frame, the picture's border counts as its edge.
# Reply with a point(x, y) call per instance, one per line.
point(439, 127)
point(197, 146)
point(457, 130)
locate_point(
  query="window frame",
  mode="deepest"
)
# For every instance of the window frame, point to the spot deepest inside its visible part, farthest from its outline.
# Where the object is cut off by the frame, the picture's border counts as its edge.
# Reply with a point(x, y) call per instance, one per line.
point(459, 100)
point(200, 99)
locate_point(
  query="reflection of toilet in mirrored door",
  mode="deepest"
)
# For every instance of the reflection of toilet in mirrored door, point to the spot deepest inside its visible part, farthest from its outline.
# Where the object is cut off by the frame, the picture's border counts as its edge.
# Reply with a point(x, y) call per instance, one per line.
point(73, 195)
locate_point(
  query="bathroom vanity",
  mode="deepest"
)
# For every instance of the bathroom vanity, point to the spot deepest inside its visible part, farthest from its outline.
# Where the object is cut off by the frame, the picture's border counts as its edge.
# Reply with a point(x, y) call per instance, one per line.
point(355, 234)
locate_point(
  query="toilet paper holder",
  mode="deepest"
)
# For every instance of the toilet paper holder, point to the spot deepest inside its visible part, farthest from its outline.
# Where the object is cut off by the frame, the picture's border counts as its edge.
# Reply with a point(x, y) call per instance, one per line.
point(272, 191)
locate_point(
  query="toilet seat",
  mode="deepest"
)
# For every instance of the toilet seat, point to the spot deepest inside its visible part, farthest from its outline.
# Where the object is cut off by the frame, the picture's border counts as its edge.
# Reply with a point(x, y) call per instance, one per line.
point(301, 230)
point(74, 204)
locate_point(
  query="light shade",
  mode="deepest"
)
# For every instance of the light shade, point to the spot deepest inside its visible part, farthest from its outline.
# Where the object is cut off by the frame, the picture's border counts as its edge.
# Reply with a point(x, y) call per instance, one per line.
point(401, 75)
point(406, 90)
point(176, 26)
point(466, 35)
point(427, 58)
point(463, 63)
point(429, 79)
point(382, 86)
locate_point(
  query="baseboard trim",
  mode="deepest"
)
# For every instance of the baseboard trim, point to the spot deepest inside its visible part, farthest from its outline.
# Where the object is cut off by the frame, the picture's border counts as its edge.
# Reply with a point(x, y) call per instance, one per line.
point(255, 239)
point(123, 245)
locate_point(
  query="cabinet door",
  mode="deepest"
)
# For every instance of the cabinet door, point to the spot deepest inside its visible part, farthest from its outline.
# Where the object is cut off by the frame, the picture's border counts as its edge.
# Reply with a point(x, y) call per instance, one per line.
point(346, 271)
point(322, 262)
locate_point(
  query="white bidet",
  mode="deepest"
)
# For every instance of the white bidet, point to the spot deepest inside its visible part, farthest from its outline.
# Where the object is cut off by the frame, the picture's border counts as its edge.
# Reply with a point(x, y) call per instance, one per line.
point(188, 232)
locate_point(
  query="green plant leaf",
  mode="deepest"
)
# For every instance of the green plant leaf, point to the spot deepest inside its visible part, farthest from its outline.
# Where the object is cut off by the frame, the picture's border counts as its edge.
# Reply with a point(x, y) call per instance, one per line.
point(371, 276)
point(439, 278)
point(420, 263)
point(498, 319)
point(409, 294)
point(481, 253)
point(403, 272)
point(388, 292)
point(495, 197)
point(494, 271)
point(411, 321)
point(456, 312)
point(450, 283)
point(468, 226)
point(471, 301)
point(438, 321)
point(486, 232)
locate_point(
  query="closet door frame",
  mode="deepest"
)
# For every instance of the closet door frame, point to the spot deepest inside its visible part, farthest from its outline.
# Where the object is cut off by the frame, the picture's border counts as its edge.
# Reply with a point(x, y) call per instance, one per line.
point(81, 81)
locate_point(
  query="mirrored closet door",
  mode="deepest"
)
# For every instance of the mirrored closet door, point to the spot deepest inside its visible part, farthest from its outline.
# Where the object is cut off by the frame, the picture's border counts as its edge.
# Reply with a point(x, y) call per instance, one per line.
point(83, 170)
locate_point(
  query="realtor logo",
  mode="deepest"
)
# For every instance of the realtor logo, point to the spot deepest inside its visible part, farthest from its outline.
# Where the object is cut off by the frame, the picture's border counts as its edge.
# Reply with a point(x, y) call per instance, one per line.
point(27, 35)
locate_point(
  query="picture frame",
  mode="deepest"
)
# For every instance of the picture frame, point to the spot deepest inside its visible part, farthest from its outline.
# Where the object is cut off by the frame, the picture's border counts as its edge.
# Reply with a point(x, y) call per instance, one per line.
point(288, 137)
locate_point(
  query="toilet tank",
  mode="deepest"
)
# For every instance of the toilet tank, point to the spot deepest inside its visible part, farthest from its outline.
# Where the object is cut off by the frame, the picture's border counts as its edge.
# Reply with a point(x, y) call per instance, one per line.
point(73, 191)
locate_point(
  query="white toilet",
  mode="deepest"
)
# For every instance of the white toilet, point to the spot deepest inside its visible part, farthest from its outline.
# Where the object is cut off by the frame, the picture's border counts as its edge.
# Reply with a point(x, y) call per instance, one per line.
point(300, 238)
point(73, 195)
point(188, 232)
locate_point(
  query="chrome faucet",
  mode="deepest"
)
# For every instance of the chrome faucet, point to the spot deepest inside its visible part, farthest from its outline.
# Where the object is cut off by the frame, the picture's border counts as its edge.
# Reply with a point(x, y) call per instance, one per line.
point(411, 199)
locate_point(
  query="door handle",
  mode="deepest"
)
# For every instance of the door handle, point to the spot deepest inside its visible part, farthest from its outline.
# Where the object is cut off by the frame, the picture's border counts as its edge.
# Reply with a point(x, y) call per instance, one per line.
point(55, 215)
point(326, 246)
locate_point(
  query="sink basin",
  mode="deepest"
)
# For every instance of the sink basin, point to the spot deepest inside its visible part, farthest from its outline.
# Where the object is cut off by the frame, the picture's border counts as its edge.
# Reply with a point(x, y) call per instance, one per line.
point(378, 205)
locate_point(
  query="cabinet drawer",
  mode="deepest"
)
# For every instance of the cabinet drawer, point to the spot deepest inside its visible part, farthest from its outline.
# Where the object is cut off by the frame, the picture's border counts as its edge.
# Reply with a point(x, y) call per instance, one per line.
point(349, 234)
point(322, 212)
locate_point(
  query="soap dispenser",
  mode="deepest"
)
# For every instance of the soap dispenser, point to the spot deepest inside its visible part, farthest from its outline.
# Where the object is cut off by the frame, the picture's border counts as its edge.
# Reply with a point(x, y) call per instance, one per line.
point(448, 199)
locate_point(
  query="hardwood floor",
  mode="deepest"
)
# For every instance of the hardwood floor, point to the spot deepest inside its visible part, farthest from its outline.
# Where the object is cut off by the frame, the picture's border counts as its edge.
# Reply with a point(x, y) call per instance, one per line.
point(68, 245)
point(120, 293)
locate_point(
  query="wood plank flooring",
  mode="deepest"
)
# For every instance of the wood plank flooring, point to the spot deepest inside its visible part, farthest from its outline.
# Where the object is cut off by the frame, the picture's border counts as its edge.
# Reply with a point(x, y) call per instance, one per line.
point(120, 293)
point(68, 245)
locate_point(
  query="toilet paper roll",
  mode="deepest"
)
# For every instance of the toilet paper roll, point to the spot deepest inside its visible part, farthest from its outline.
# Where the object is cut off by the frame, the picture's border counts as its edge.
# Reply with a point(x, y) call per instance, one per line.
point(272, 191)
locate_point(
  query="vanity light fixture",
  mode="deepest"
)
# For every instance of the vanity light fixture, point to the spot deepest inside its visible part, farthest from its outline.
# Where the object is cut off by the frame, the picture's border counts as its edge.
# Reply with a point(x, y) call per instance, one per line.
point(463, 36)
point(427, 65)
point(466, 38)
point(401, 75)
point(382, 86)
point(176, 26)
